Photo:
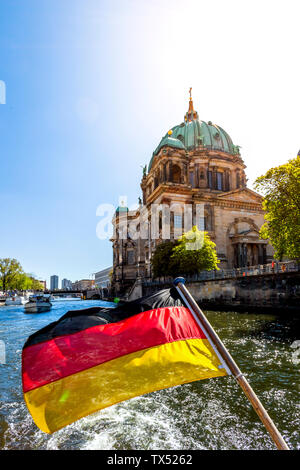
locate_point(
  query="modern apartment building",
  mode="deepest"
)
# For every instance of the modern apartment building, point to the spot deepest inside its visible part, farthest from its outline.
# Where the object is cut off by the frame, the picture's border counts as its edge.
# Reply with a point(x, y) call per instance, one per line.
point(66, 284)
point(102, 278)
point(53, 282)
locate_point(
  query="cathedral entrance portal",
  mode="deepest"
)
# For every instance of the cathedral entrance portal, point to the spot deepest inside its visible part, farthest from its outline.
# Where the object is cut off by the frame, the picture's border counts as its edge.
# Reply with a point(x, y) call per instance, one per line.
point(249, 254)
point(247, 248)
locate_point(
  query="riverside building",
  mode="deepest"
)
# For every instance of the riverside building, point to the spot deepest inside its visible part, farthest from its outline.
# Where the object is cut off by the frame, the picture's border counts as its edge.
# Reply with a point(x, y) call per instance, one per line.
point(194, 165)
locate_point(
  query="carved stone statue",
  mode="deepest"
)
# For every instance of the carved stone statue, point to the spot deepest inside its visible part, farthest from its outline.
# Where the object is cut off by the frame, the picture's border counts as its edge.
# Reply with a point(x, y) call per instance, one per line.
point(144, 171)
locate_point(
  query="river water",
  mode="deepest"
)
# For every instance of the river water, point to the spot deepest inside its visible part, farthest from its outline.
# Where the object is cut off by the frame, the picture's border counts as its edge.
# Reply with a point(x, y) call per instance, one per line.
point(209, 414)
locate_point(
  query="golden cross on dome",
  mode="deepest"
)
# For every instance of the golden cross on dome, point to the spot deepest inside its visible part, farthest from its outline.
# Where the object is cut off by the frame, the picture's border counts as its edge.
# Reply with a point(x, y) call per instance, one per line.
point(191, 93)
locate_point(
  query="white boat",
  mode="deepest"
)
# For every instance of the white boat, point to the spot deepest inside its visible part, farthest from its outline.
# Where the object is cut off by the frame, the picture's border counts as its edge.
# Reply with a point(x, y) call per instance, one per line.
point(67, 299)
point(38, 304)
point(15, 300)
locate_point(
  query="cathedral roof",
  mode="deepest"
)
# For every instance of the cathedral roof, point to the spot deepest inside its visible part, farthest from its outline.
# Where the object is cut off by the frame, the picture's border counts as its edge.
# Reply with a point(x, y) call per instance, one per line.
point(168, 141)
point(193, 133)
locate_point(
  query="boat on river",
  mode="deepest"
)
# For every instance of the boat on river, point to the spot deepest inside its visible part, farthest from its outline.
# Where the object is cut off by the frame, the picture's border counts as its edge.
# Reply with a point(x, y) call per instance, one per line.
point(16, 300)
point(66, 299)
point(38, 304)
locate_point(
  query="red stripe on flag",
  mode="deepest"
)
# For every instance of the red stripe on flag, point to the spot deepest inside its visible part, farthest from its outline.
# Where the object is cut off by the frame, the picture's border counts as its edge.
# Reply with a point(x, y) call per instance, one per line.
point(65, 355)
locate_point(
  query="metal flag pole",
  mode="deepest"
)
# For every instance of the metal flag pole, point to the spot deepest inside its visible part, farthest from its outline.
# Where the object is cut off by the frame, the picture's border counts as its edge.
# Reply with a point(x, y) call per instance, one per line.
point(229, 362)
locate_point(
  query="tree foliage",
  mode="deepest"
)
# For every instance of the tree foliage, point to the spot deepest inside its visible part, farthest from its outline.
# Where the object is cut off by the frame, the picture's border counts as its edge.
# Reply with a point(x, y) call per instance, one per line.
point(12, 277)
point(192, 253)
point(10, 269)
point(280, 187)
point(162, 264)
point(195, 252)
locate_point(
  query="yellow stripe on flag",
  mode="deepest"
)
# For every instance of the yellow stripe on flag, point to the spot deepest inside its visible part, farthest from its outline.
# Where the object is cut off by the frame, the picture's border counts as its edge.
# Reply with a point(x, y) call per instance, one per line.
point(62, 402)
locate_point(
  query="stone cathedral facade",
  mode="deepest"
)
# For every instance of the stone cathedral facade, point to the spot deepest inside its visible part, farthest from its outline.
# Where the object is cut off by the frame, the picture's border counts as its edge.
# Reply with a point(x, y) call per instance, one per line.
point(196, 162)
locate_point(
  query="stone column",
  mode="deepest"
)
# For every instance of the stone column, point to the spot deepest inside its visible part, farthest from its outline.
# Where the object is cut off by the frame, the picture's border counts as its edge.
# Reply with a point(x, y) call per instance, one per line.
point(186, 175)
point(235, 256)
point(260, 254)
point(245, 251)
point(264, 254)
point(240, 255)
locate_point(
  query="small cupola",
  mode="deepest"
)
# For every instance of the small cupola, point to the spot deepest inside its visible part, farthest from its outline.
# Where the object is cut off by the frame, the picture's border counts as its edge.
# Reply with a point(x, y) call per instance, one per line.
point(191, 114)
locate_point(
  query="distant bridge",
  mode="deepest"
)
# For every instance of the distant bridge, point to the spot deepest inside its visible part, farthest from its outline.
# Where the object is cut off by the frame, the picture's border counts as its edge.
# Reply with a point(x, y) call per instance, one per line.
point(63, 291)
point(86, 294)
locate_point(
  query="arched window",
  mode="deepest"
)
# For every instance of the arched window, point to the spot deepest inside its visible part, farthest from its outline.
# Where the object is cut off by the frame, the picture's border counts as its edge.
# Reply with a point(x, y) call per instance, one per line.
point(160, 221)
point(177, 226)
point(226, 182)
point(176, 174)
point(219, 181)
point(165, 172)
point(205, 221)
point(177, 221)
point(209, 179)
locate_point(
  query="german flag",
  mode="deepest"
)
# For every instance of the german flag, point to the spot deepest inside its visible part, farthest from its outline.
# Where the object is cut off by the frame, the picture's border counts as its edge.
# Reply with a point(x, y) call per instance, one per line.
point(91, 359)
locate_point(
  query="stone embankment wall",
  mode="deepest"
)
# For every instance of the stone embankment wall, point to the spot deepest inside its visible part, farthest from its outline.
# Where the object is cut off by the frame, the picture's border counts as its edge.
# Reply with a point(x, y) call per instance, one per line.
point(273, 291)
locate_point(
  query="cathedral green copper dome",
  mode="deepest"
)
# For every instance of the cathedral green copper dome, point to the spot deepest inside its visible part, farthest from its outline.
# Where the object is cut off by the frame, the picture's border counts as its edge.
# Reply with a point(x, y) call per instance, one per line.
point(194, 133)
point(168, 141)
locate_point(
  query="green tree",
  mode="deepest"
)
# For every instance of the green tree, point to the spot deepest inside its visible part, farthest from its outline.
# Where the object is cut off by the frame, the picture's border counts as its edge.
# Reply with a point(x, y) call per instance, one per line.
point(22, 282)
point(195, 252)
point(190, 254)
point(36, 285)
point(12, 276)
point(280, 187)
point(161, 262)
point(10, 269)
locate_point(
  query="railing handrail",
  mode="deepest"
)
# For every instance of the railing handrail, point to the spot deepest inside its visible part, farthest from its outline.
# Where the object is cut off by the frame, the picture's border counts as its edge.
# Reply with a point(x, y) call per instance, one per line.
point(260, 269)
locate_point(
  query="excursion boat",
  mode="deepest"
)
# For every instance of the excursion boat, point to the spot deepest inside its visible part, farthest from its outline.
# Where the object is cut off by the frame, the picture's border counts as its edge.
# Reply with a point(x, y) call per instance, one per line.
point(15, 300)
point(38, 304)
point(61, 299)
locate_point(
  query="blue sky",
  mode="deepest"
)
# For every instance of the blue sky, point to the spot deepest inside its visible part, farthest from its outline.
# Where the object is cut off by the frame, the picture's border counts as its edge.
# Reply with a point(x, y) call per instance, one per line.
point(91, 87)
